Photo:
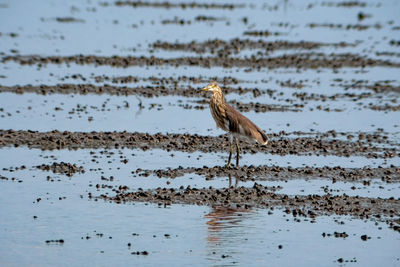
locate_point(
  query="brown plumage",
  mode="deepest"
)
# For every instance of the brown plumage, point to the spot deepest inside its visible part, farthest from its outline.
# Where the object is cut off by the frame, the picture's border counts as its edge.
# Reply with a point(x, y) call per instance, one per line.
point(229, 119)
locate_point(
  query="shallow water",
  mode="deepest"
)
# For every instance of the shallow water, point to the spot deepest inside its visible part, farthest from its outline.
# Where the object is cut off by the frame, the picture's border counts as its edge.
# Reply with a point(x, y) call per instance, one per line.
point(178, 235)
point(112, 159)
point(99, 232)
point(164, 114)
point(100, 163)
point(100, 23)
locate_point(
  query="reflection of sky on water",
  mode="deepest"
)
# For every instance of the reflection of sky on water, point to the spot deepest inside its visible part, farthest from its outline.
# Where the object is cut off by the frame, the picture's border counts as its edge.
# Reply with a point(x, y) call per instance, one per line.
point(110, 30)
point(225, 232)
point(110, 164)
point(193, 232)
point(46, 113)
point(253, 237)
point(182, 234)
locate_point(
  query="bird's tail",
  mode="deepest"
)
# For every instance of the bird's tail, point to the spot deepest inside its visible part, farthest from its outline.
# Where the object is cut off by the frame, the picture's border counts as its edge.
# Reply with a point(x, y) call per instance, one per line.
point(263, 138)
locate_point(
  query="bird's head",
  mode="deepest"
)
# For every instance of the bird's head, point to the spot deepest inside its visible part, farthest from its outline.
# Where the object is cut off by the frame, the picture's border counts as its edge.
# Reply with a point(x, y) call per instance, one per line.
point(212, 87)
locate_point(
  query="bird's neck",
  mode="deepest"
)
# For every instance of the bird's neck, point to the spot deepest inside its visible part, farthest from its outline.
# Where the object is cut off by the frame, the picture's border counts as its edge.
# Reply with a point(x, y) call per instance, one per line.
point(218, 97)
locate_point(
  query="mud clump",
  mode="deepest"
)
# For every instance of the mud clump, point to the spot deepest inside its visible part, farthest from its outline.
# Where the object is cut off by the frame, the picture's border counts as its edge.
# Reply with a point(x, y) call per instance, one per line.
point(145, 91)
point(336, 234)
point(57, 241)
point(68, 20)
point(365, 237)
point(259, 196)
point(168, 5)
point(190, 143)
point(345, 4)
point(358, 27)
point(261, 33)
point(10, 179)
point(172, 80)
point(299, 61)
point(145, 253)
point(234, 46)
point(259, 107)
point(67, 169)
point(276, 173)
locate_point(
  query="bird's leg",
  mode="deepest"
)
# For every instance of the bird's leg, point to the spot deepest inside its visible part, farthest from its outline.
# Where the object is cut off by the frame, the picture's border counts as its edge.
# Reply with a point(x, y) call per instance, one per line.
point(237, 152)
point(230, 154)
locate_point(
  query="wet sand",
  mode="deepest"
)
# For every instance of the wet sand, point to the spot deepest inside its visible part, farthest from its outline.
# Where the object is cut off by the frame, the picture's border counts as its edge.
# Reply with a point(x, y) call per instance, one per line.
point(190, 143)
point(102, 142)
point(260, 196)
point(299, 61)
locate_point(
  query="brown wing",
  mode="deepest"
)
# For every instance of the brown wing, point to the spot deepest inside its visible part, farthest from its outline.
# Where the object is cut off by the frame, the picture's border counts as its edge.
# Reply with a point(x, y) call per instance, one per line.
point(241, 125)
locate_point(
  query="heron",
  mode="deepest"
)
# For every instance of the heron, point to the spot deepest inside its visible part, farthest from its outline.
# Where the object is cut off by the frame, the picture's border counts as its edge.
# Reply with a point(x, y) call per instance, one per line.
point(232, 121)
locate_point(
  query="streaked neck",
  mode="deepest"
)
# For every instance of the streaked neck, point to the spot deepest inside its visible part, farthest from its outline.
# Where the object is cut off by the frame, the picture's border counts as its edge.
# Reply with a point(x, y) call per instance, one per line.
point(218, 96)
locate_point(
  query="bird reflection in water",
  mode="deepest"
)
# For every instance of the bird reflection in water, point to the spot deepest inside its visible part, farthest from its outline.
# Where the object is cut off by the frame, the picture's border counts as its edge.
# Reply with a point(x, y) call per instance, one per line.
point(230, 181)
point(225, 228)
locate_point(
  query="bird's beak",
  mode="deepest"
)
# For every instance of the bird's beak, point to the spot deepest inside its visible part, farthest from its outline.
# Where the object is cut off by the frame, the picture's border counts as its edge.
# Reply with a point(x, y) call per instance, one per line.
point(205, 89)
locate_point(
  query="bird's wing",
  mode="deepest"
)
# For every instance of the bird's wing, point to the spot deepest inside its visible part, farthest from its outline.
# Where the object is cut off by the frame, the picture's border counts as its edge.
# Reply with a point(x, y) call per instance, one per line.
point(241, 125)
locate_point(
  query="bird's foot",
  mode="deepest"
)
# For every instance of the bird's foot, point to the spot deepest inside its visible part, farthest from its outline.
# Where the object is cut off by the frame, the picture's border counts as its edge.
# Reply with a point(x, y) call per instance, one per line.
point(229, 166)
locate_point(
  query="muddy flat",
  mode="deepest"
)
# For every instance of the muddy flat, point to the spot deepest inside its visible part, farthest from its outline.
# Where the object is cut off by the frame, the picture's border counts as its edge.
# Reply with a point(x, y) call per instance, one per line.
point(109, 153)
